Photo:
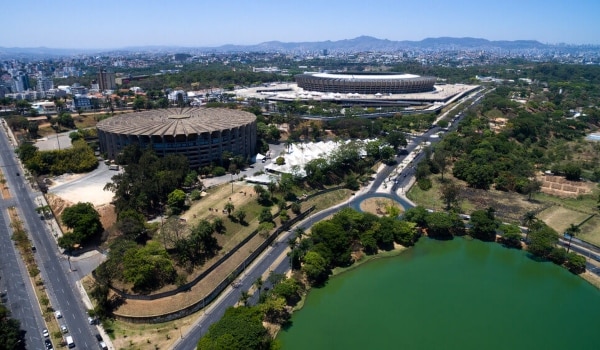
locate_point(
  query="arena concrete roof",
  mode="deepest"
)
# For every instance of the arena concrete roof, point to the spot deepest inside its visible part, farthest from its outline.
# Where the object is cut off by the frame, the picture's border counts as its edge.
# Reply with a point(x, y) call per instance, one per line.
point(365, 76)
point(176, 121)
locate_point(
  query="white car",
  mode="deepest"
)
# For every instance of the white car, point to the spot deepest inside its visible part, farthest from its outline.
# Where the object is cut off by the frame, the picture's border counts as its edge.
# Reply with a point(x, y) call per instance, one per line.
point(45, 333)
point(64, 329)
point(57, 314)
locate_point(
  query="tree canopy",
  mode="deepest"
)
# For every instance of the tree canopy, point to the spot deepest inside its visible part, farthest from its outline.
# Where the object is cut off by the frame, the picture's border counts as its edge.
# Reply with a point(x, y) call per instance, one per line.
point(84, 221)
point(240, 328)
point(147, 179)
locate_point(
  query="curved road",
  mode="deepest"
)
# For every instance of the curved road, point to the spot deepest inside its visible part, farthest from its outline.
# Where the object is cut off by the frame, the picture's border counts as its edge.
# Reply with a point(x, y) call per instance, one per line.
point(266, 260)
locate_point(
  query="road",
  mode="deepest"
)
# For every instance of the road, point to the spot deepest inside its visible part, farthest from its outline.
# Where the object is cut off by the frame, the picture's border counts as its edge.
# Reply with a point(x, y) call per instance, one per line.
point(54, 267)
point(266, 261)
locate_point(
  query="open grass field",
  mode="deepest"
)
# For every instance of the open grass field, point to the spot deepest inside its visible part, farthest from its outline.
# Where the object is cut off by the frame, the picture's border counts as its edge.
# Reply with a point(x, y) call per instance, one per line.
point(212, 205)
point(590, 231)
point(327, 200)
point(560, 218)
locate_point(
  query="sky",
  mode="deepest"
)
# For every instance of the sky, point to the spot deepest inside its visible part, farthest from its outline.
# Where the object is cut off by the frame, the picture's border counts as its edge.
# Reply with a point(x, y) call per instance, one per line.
point(110, 24)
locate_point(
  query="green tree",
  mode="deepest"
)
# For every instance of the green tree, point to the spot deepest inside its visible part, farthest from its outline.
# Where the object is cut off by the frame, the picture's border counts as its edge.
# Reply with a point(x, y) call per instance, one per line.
point(542, 241)
point(131, 224)
point(275, 310)
point(396, 139)
point(258, 284)
point(11, 335)
point(265, 215)
point(531, 187)
point(289, 289)
point(572, 172)
point(84, 221)
point(417, 215)
point(484, 224)
point(240, 328)
point(26, 151)
point(240, 216)
point(229, 208)
point(296, 208)
point(531, 221)
point(65, 120)
point(440, 160)
point(33, 128)
point(511, 235)
point(450, 194)
point(176, 201)
point(439, 225)
point(244, 297)
point(148, 267)
point(575, 263)
point(315, 268)
point(572, 231)
point(218, 225)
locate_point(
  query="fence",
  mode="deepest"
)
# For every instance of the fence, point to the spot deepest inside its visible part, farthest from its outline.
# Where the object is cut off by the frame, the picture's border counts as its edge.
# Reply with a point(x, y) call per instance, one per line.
point(200, 304)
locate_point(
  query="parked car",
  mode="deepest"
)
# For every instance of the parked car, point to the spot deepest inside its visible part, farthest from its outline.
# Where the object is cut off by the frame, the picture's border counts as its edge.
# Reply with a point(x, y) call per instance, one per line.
point(45, 333)
point(64, 329)
point(57, 314)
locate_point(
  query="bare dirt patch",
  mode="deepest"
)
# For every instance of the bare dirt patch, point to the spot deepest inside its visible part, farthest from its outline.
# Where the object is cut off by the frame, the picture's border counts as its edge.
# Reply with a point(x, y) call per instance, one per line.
point(107, 212)
point(378, 205)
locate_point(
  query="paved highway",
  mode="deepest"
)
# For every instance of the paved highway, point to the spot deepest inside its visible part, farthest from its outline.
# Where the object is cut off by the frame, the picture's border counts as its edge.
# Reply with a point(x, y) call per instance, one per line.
point(53, 266)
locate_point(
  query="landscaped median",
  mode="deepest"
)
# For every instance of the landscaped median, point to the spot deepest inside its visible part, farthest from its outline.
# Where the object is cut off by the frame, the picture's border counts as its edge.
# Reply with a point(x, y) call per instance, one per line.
point(26, 249)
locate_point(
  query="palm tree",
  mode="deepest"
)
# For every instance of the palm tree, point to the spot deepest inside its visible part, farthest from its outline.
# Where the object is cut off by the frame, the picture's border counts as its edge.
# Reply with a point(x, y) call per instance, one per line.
point(244, 297)
point(528, 220)
point(272, 186)
point(573, 230)
point(259, 284)
point(229, 207)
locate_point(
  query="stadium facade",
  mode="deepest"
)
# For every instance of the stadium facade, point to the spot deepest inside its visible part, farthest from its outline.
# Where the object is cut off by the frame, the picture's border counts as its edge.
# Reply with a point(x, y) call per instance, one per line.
point(365, 83)
point(200, 134)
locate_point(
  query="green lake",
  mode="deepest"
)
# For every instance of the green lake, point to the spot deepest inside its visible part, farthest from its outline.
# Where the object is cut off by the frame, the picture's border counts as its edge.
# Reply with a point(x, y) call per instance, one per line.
point(457, 294)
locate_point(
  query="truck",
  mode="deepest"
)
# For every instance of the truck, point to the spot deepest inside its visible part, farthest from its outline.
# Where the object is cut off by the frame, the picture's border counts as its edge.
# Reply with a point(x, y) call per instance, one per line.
point(70, 342)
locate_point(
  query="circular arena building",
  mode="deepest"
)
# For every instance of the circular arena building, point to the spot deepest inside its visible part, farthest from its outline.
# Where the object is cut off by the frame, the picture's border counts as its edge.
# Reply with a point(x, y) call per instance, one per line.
point(200, 134)
point(365, 83)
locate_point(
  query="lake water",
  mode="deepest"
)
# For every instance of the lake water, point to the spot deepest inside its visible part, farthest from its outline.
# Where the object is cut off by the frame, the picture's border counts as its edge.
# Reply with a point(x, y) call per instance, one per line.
point(455, 294)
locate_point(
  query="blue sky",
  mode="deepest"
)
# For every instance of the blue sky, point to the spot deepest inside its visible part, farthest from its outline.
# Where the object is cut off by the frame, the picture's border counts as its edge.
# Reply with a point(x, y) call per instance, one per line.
point(114, 24)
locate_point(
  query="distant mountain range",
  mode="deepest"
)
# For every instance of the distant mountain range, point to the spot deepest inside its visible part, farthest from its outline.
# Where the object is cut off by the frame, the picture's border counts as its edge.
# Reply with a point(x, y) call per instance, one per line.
point(359, 44)
point(367, 43)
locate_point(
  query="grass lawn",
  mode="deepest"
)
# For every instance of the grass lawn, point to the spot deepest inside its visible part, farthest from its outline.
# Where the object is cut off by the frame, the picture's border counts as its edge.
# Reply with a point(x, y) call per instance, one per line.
point(590, 231)
point(327, 200)
point(586, 204)
point(560, 218)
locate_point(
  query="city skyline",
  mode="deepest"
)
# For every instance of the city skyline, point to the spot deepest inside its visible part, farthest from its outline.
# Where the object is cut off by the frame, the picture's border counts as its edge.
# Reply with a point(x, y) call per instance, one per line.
point(112, 25)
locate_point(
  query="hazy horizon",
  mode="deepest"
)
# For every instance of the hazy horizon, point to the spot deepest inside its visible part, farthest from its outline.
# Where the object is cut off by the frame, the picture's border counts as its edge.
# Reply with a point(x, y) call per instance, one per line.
point(112, 25)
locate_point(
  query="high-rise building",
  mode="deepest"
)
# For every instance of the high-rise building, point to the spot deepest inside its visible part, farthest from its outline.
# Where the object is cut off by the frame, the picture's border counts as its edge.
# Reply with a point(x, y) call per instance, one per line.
point(20, 82)
point(106, 80)
point(44, 84)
